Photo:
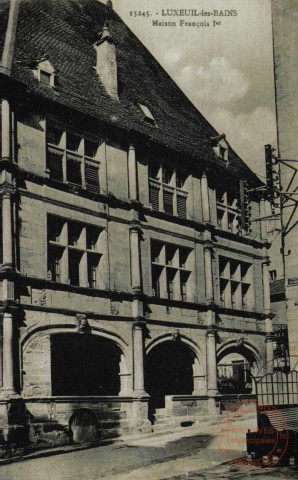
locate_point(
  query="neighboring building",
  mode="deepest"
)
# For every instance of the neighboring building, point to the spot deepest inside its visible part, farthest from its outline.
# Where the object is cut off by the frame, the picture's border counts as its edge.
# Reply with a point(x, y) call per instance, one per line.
point(130, 270)
point(285, 39)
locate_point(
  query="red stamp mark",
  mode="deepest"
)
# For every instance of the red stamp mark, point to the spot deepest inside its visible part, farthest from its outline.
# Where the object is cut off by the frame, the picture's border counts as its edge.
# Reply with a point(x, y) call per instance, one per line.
point(266, 442)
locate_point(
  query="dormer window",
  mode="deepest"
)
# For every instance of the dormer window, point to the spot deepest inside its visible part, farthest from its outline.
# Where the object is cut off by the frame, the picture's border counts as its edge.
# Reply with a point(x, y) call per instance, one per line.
point(146, 113)
point(44, 71)
point(222, 152)
point(45, 77)
point(220, 147)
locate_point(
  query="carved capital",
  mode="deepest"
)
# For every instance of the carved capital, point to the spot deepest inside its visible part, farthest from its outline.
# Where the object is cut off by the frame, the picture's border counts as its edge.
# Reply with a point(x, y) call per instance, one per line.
point(212, 331)
point(7, 190)
point(139, 323)
point(208, 246)
point(135, 228)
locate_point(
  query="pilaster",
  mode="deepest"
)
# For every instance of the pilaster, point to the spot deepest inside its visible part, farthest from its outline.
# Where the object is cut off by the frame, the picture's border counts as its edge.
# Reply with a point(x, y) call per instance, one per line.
point(138, 358)
point(132, 173)
point(205, 198)
point(211, 361)
point(208, 252)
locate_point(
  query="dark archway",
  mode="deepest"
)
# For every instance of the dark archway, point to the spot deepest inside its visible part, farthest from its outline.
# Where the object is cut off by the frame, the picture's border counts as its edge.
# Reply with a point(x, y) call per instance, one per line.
point(84, 364)
point(83, 426)
point(168, 371)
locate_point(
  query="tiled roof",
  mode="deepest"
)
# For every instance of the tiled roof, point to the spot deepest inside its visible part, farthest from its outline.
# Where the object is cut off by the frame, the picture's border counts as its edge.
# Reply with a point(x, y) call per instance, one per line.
point(277, 287)
point(66, 31)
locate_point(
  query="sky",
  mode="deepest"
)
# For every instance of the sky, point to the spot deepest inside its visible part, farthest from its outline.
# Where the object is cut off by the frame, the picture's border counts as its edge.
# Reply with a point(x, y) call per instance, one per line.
point(226, 70)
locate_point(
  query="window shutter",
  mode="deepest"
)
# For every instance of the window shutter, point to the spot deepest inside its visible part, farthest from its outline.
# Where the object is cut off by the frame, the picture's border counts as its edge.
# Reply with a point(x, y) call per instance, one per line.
point(91, 177)
point(74, 174)
point(154, 197)
point(54, 164)
point(168, 202)
point(181, 206)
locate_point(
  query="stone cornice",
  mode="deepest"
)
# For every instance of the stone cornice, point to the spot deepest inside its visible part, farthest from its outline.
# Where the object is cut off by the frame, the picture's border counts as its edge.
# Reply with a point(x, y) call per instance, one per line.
point(113, 201)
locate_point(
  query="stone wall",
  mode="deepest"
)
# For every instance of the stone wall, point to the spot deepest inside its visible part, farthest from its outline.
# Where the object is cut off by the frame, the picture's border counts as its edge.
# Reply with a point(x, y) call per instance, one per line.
point(285, 40)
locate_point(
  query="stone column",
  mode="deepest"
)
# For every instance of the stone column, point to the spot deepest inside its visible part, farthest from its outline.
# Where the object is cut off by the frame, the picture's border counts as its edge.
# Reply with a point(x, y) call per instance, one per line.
point(199, 380)
point(208, 272)
point(211, 362)
point(135, 265)
point(135, 258)
point(6, 125)
point(138, 359)
point(205, 198)
point(8, 367)
point(7, 230)
point(125, 378)
point(132, 173)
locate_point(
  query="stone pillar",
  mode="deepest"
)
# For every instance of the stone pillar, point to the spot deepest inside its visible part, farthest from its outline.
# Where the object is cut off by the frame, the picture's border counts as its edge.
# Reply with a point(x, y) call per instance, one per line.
point(8, 355)
point(205, 198)
point(199, 380)
point(132, 173)
point(135, 258)
point(6, 125)
point(208, 272)
point(125, 378)
point(138, 360)
point(211, 362)
point(7, 230)
point(135, 263)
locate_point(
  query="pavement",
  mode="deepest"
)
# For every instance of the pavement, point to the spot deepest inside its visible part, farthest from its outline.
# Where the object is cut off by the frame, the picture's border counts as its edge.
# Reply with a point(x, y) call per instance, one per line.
point(175, 454)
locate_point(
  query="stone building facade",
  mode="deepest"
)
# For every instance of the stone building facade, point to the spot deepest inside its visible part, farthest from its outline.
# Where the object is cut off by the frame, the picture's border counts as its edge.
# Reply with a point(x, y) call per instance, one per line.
point(285, 40)
point(130, 280)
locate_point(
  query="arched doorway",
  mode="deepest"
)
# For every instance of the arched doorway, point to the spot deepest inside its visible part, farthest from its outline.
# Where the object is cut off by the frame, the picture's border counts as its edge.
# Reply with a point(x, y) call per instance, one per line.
point(84, 364)
point(234, 374)
point(168, 371)
point(237, 361)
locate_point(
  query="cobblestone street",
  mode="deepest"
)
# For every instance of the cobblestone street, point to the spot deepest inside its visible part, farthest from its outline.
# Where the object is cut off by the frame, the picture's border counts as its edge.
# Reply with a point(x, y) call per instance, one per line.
point(191, 458)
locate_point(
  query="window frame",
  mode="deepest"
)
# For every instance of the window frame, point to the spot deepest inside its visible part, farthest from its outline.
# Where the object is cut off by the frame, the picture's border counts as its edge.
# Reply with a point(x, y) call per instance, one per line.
point(165, 182)
point(225, 210)
point(74, 253)
point(235, 289)
point(167, 275)
point(68, 155)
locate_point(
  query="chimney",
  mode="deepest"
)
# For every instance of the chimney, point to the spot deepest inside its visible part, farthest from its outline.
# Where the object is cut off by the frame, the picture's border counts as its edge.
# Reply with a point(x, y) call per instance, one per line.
point(106, 65)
